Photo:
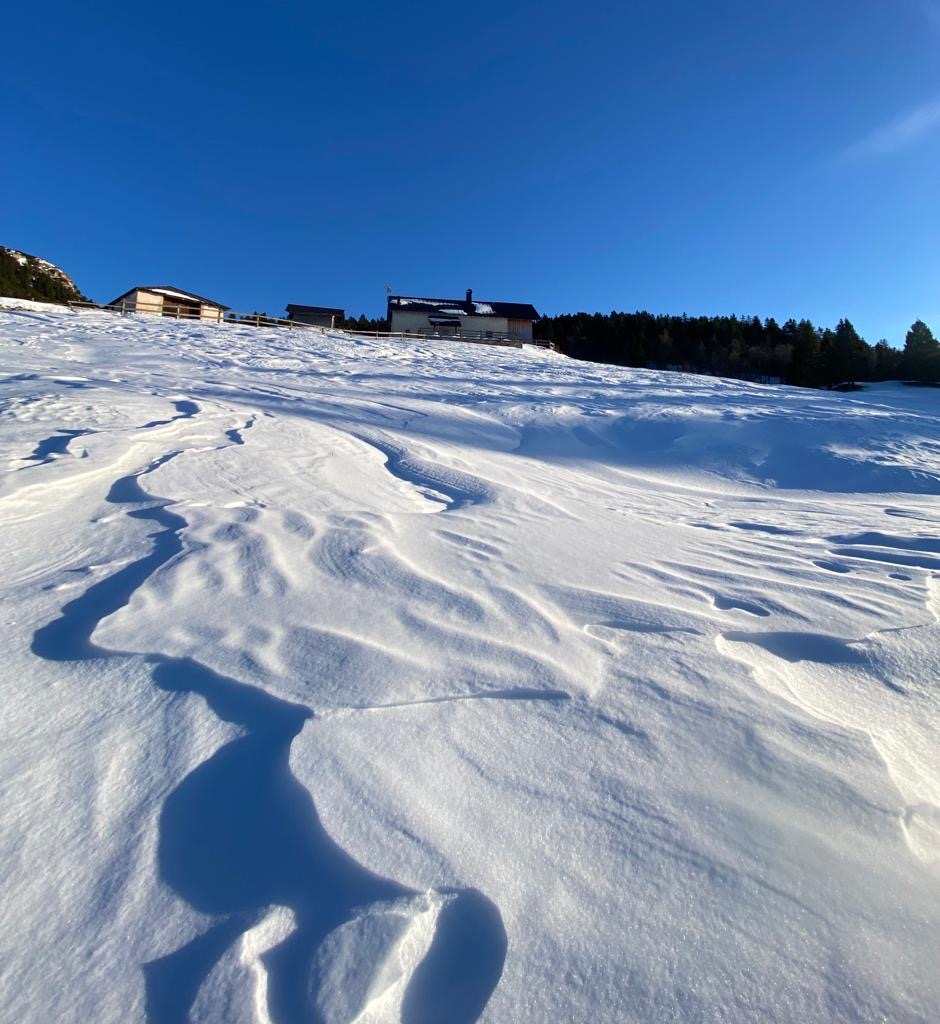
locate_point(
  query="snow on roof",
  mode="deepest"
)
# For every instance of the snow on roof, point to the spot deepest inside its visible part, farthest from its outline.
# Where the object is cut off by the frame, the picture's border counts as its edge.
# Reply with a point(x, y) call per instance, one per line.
point(170, 293)
point(510, 310)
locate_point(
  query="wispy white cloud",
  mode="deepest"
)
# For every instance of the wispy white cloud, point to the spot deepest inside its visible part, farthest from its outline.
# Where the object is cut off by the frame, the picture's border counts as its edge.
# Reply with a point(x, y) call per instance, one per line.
point(898, 134)
point(908, 128)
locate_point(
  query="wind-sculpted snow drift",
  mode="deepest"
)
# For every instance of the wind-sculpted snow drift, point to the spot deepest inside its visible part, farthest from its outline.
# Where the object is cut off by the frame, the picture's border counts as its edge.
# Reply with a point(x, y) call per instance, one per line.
point(239, 835)
point(442, 684)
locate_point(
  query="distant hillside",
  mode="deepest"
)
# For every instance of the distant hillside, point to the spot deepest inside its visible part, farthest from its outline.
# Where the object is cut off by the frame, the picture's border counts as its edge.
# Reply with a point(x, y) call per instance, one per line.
point(28, 277)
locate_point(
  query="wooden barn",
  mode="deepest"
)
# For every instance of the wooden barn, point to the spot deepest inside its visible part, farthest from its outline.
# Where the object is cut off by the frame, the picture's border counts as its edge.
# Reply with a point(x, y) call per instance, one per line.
point(165, 300)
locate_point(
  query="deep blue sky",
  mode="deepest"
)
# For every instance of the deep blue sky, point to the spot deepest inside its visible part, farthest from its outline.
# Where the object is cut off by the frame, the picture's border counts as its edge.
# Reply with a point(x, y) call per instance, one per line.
point(778, 157)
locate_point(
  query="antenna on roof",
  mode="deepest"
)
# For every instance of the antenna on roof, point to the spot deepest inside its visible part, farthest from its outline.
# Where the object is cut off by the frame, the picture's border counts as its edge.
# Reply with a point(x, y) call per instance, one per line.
point(388, 289)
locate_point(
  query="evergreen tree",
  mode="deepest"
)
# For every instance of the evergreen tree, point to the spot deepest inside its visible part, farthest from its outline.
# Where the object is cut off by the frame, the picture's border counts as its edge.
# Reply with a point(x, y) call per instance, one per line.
point(363, 323)
point(851, 353)
point(805, 366)
point(921, 358)
point(887, 361)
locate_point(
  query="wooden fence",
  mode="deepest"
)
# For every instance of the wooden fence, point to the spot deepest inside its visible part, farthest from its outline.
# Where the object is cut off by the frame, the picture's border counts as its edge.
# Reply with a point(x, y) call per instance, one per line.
point(474, 337)
point(179, 312)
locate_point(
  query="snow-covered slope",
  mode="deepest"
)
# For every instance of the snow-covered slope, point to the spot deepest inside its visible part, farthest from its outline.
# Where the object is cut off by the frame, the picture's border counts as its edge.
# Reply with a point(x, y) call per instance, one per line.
point(372, 681)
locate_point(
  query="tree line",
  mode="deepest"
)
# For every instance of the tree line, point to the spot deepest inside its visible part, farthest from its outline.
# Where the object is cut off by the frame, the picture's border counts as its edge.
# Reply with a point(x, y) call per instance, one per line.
point(364, 323)
point(796, 352)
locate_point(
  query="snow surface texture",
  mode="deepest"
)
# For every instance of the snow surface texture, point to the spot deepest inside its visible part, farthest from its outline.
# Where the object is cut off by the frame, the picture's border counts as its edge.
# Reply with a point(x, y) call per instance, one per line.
point(376, 681)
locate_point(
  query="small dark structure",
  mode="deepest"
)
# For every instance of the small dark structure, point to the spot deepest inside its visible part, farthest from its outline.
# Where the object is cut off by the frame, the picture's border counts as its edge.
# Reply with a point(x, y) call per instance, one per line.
point(315, 316)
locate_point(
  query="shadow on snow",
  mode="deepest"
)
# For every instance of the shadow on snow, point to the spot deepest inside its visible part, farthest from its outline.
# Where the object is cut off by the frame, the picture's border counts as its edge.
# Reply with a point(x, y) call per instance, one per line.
point(240, 835)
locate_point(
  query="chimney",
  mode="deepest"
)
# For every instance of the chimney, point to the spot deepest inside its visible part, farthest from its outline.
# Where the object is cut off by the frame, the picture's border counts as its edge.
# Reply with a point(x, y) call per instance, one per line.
point(469, 300)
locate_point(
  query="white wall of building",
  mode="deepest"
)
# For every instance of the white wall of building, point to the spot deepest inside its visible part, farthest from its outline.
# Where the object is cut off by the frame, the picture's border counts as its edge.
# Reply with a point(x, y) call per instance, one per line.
point(409, 320)
point(497, 325)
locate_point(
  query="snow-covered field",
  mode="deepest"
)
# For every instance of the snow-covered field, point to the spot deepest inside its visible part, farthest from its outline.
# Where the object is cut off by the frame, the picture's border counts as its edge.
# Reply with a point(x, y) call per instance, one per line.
point(372, 681)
